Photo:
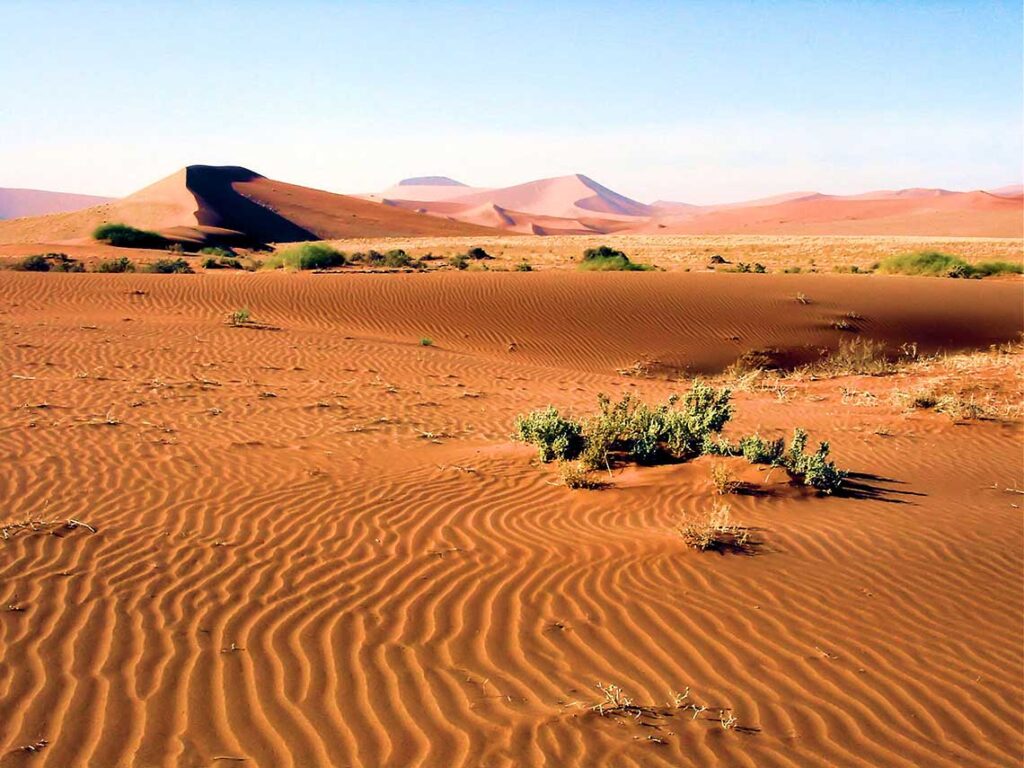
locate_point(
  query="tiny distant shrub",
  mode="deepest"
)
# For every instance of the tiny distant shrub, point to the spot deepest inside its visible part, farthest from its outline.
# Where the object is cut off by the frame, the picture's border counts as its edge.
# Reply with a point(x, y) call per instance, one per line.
point(759, 268)
point(717, 259)
point(524, 266)
point(459, 262)
point(712, 530)
point(607, 259)
point(169, 267)
point(793, 270)
point(222, 263)
point(217, 252)
point(123, 264)
point(240, 316)
point(426, 341)
point(123, 236)
point(478, 254)
point(936, 264)
point(306, 256)
point(554, 436)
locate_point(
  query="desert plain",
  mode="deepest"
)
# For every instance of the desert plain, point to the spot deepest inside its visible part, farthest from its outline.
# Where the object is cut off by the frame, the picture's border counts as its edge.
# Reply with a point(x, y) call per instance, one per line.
point(281, 518)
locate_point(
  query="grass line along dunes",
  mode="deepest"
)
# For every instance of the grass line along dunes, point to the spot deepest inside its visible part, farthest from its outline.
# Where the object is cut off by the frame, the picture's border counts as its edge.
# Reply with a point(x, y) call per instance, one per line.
point(282, 519)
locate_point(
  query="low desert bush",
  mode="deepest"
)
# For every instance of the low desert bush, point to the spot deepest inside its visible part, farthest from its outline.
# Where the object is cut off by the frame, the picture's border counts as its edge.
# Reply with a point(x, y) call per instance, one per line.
point(722, 479)
point(123, 264)
point(524, 266)
point(123, 236)
point(712, 530)
point(217, 252)
point(758, 450)
point(50, 262)
point(936, 264)
point(240, 316)
point(606, 259)
point(813, 469)
point(306, 256)
point(478, 254)
point(169, 267)
point(459, 262)
point(575, 475)
point(555, 437)
point(426, 341)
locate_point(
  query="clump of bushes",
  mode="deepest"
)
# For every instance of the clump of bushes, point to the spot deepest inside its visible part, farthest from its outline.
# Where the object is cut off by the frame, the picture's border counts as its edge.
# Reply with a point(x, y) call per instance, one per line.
point(217, 252)
point(607, 259)
point(630, 430)
point(524, 266)
point(222, 263)
point(306, 256)
point(122, 264)
point(169, 267)
point(936, 264)
point(459, 261)
point(123, 236)
point(478, 254)
point(51, 262)
point(393, 259)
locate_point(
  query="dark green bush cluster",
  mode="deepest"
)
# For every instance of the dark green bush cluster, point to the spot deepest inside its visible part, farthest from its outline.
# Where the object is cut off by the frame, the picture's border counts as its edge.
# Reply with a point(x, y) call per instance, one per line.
point(123, 264)
point(123, 236)
point(169, 267)
point(742, 266)
point(936, 264)
point(393, 259)
point(524, 266)
point(51, 262)
point(224, 262)
point(630, 430)
point(607, 259)
point(459, 261)
point(307, 256)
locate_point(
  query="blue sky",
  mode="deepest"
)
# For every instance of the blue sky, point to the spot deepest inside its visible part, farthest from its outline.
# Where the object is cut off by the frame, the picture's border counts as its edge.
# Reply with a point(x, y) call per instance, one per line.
point(695, 101)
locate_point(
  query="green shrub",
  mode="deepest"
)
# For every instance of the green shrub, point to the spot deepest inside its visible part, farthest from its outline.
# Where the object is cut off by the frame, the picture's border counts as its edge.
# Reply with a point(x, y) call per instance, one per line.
point(813, 469)
point(459, 262)
point(307, 256)
point(397, 259)
point(169, 267)
point(123, 264)
point(647, 435)
point(240, 316)
point(757, 450)
point(524, 266)
point(426, 341)
point(606, 259)
point(554, 436)
point(123, 236)
point(936, 264)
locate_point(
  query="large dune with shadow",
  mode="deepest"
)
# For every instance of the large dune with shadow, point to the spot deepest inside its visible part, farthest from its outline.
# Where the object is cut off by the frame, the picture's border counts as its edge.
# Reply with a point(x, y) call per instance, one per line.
point(233, 204)
point(311, 541)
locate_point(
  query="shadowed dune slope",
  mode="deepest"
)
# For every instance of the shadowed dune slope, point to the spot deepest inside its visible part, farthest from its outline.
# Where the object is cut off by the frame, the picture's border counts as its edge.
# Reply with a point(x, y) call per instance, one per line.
point(317, 546)
point(201, 203)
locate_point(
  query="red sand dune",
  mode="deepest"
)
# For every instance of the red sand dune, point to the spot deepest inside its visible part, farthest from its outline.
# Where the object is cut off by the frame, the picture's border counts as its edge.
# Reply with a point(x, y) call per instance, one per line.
point(202, 203)
point(953, 214)
point(16, 203)
point(317, 546)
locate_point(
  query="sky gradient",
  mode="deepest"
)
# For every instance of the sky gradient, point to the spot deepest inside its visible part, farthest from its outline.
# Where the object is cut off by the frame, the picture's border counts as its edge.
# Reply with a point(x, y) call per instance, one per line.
point(698, 101)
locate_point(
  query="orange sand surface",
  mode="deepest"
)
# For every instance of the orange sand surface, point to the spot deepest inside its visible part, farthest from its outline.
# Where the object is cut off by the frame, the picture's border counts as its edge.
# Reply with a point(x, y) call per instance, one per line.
point(312, 542)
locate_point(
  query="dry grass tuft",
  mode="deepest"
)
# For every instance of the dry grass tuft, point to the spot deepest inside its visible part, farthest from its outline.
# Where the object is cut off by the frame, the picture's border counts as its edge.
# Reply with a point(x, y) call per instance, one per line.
point(712, 530)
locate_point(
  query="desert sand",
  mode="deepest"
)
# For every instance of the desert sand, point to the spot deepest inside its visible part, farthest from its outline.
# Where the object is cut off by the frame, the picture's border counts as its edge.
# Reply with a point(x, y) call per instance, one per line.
point(312, 541)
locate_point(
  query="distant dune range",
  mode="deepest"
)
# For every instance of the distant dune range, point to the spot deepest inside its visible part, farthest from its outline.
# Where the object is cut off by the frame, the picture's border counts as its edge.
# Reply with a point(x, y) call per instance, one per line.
point(232, 204)
point(15, 203)
point(576, 204)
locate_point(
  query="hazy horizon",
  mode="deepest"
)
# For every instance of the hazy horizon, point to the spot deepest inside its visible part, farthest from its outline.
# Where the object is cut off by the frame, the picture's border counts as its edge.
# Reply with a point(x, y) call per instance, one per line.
point(701, 103)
